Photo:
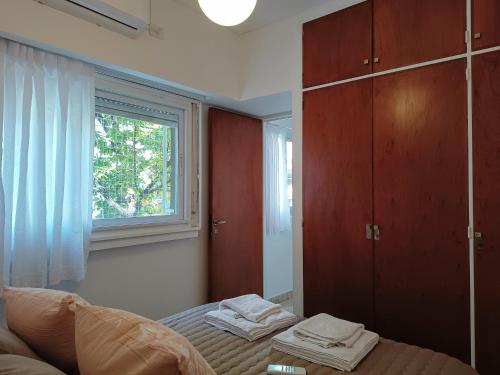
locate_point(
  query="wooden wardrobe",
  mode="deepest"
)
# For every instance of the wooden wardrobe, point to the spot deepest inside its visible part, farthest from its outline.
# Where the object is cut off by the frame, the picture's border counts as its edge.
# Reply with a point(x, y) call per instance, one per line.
point(486, 137)
point(386, 171)
point(337, 146)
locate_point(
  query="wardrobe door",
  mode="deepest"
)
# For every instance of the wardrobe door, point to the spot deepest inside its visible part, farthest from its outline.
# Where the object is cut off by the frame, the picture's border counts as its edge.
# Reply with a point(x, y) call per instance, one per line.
point(421, 206)
point(338, 46)
point(485, 23)
point(486, 136)
point(411, 31)
point(337, 201)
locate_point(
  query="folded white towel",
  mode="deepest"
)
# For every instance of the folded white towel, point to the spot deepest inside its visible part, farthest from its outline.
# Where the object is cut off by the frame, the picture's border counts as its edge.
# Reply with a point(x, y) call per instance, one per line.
point(327, 331)
point(251, 307)
point(251, 331)
point(339, 357)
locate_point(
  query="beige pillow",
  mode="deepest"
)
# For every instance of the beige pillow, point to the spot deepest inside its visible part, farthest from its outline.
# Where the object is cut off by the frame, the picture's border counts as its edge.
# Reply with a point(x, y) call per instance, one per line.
point(110, 342)
point(19, 365)
point(11, 344)
point(42, 319)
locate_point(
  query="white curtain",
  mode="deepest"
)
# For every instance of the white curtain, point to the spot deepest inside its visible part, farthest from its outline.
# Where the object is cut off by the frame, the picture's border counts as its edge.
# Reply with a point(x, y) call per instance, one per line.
point(277, 208)
point(46, 125)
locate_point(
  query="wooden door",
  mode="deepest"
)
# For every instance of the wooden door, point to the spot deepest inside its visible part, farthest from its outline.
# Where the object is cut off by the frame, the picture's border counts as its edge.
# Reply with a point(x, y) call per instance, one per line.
point(421, 206)
point(236, 253)
point(411, 31)
point(485, 23)
point(486, 136)
point(337, 201)
point(338, 46)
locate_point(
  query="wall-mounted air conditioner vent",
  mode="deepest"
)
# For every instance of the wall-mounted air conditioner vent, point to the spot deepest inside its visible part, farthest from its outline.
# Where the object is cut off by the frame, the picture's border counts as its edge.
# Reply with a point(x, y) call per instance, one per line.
point(101, 14)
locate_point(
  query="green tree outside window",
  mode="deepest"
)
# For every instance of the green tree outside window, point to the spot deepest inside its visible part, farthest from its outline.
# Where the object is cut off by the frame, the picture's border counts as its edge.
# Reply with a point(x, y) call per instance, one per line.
point(134, 168)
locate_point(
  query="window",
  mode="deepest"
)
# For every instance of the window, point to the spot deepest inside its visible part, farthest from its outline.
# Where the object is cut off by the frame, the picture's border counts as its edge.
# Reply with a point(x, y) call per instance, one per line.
point(143, 145)
point(135, 163)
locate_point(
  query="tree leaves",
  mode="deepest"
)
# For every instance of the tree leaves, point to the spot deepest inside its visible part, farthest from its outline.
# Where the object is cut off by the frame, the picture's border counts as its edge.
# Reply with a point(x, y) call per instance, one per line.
point(134, 163)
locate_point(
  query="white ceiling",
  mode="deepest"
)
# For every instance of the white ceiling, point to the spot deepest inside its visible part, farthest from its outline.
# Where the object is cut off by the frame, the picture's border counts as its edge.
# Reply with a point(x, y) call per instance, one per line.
point(266, 12)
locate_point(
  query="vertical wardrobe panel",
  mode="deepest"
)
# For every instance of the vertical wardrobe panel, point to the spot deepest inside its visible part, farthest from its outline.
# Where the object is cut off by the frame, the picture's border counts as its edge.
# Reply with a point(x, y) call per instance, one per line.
point(338, 46)
point(337, 200)
point(411, 31)
point(486, 136)
point(421, 206)
point(485, 23)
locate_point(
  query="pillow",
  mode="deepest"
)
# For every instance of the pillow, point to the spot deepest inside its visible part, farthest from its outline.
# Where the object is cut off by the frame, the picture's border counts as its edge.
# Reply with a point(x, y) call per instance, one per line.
point(11, 344)
point(43, 319)
point(19, 365)
point(110, 342)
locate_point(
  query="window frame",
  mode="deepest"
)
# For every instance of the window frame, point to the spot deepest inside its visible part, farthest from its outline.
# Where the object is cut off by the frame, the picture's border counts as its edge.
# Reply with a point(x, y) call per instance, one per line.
point(109, 233)
point(290, 178)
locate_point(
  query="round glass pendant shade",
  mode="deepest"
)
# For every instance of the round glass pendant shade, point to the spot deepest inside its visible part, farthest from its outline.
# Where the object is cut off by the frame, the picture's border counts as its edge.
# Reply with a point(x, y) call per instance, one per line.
point(227, 12)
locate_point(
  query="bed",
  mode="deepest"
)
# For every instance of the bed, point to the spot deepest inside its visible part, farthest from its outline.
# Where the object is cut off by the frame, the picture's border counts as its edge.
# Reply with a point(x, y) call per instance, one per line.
point(231, 355)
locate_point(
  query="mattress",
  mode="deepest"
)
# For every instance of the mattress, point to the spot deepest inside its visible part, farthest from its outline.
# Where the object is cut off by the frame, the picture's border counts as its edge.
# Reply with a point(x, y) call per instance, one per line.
point(231, 355)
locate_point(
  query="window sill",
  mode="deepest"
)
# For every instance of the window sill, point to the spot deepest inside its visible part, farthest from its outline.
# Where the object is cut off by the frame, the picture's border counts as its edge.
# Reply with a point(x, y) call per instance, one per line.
point(111, 238)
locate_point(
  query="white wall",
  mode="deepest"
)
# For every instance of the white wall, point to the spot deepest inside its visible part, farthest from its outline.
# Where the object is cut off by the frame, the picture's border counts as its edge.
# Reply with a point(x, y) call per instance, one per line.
point(154, 280)
point(278, 264)
point(195, 53)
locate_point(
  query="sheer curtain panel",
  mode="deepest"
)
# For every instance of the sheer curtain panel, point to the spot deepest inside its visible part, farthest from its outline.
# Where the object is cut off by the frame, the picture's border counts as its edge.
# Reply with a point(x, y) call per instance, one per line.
point(47, 131)
point(277, 208)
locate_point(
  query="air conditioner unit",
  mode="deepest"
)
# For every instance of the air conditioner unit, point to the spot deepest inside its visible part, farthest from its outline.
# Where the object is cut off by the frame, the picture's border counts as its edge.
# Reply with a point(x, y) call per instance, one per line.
point(101, 14)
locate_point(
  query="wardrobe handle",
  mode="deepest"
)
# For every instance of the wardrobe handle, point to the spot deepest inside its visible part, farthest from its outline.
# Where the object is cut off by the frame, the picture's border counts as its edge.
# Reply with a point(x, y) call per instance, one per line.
point(369, 231)
point(376, 232)
point(376, 60)
point(366, 61)
point(479, 240)
point(477, 35)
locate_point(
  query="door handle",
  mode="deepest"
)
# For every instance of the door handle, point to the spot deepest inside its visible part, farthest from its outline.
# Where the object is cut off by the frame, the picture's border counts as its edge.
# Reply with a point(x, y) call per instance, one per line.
point(218, 222)
point(214, 229)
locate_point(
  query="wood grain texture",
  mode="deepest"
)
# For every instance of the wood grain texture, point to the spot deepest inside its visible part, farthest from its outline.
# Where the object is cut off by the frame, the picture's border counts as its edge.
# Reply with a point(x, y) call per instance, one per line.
point(486, 137)
point(235, 174)
point(335, 46)
point(412, 31)
point(420, 200)
point(337, 201)
point(485, 20)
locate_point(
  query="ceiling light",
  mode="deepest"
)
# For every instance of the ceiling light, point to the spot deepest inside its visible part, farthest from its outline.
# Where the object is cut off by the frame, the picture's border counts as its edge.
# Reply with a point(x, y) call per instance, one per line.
point(227, 12)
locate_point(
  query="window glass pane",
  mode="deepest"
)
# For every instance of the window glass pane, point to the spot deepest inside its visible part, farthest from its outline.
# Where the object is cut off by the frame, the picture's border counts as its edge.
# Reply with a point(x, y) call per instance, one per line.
point(135, 167)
